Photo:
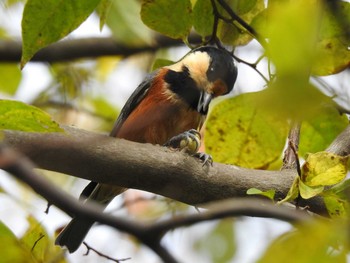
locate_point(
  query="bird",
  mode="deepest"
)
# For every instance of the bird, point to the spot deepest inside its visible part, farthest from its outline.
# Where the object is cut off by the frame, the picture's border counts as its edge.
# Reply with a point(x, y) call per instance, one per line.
point(170, 105)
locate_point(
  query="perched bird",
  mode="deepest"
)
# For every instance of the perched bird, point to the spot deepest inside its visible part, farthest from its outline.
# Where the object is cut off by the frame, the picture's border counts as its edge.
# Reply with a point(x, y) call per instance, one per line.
point(170, 101)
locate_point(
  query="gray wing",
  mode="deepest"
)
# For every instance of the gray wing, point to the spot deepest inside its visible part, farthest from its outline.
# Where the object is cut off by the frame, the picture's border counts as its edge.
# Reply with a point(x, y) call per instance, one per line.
point(134, 100)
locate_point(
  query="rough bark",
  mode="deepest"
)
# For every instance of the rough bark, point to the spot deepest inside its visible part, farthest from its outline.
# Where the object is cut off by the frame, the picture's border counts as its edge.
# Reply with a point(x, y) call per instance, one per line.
point(149, 167)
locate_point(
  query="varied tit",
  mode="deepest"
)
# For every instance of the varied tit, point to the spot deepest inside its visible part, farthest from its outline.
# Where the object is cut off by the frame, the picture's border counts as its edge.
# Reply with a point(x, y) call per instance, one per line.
point(170, 101)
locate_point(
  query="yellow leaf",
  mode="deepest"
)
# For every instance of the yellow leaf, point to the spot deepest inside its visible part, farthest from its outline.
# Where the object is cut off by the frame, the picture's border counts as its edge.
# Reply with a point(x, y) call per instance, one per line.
point(105, 66)
point(324, 168)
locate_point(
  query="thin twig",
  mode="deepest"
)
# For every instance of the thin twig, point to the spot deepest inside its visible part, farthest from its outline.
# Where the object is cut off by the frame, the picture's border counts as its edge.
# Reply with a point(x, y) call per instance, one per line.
point(232, 208)
point(102, 255)
point(47, 208)
point(213, 37)
point(36, 241)
point(246, 26)
point(252, 65)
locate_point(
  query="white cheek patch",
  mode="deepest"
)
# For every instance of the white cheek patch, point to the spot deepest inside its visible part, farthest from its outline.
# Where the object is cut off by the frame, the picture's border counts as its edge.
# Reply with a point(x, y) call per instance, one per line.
point(197, 64)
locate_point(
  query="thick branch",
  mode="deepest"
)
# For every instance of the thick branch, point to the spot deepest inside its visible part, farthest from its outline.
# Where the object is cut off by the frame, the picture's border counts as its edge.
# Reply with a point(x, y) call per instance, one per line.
point(150, 234)
point(22, 168)
point(11, 51)
point(146, 167)
point(341, 145)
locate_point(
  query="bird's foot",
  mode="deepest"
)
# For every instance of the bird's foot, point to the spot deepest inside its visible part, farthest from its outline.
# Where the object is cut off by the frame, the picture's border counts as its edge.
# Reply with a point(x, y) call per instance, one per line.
point(189, 142)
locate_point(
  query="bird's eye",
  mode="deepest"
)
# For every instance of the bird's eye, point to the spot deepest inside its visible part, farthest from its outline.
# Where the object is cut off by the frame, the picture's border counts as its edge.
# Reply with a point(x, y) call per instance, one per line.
point(211, 69)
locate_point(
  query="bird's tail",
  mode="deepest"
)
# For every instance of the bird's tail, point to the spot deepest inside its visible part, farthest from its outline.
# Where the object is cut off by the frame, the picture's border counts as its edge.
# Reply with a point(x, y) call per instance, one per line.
point(74, 233)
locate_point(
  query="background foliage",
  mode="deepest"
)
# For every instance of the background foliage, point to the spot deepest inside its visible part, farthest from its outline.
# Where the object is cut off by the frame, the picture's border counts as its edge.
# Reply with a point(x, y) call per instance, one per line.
point(298, 50)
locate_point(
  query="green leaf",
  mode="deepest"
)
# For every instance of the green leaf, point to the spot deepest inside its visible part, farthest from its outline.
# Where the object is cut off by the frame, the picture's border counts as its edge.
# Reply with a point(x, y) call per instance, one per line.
point(308, 192)
point(284, 30)
point(69, 80)
point(10, 78)
point(42, 247)
point(47, 21)
point(282, 96)
point(259, 22)
point(159, 63)
point(339, 189)
point(239, 132)
point(321, 242)
point(103, 8)
point(293, 192)
point(15, 115)
point(240, 7)
point(203, 19)
point(11, 250)
point(228, 33)
point(126, 25)
point(219, 245)
point(291, 49)
point(103, 108)
point(332, 56)
point(233, 33)
point(337, 207)
point(36, 239)
point(324, 168)
point(332, 49)
point(329, 53)
point(320, 129)
point(336, 200)
point(172, 18)
point(269, 194)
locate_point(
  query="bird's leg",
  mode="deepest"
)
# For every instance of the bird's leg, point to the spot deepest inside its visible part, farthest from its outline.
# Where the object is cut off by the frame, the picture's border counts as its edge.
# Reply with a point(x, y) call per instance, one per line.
point(189, 142)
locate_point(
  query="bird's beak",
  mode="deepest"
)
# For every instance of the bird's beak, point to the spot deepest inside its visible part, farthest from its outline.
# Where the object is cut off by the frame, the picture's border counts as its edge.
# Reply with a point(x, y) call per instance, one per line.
point(203, 103)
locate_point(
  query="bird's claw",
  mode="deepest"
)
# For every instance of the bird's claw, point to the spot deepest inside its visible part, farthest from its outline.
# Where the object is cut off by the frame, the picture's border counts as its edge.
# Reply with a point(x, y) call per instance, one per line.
point(205, 158)
point(189, 142)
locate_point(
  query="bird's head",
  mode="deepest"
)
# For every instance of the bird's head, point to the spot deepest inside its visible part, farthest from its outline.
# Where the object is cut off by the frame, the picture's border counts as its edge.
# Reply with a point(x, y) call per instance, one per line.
point(203, 74)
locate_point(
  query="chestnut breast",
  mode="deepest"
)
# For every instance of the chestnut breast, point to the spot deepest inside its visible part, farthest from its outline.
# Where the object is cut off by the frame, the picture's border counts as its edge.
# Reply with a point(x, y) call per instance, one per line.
point(159, 116)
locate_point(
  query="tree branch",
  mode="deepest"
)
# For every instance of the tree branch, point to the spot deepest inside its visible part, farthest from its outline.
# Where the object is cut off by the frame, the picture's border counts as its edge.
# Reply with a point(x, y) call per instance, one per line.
point(291, 158)
point(11, 51)
point(341, 144)
point(89, 248)
point(148, 233)
point(246, 26)
point(147, 167)
point(22, 168)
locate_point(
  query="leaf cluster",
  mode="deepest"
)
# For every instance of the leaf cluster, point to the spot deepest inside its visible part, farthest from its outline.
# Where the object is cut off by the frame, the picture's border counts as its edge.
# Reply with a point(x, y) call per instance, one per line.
point(34, 246)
